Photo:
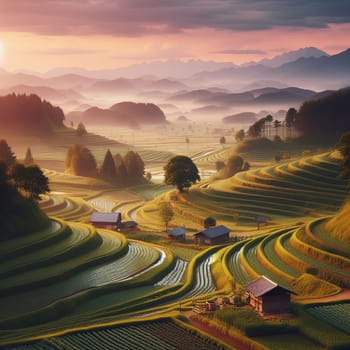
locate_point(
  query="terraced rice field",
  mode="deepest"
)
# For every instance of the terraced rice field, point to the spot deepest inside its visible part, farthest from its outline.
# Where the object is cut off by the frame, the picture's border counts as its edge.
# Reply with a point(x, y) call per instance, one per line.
point(83, 257)
point(278, 257)
point(338, 315)
point(281, 192)
point(175, 275)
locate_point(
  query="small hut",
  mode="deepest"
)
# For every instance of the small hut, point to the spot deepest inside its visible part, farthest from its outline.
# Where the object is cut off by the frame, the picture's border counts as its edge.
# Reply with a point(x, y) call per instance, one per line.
point(213, 235)
point(177, 234)
point(106, 220)
point(267, 297)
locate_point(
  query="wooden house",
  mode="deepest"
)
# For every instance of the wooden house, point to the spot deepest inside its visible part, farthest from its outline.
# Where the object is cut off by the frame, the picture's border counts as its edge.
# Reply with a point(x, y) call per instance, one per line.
point(213, 235)
point(267, 297)
point(106, 220)
point(177, 234)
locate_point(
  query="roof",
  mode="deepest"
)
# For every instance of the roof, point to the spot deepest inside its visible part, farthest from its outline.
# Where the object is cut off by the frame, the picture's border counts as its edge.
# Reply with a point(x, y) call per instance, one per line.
point(127, 224)
point(179, 231)
point(213, 232)
point(105, 217)
point(261, 286)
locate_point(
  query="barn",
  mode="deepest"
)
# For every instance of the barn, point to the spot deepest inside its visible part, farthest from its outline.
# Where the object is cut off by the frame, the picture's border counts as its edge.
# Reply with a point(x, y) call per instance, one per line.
point(267, 297)
point(177, 234)
point(106, 220)
point(213, 235)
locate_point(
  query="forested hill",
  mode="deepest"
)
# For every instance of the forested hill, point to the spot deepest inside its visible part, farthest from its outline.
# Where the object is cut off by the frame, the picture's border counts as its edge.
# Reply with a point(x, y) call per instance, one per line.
point(325, 116)
point(123, 113)
point(29, 115)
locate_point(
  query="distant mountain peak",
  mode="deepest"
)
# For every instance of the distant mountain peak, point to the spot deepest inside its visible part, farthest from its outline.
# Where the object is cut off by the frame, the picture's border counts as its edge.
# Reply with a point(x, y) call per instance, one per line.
point(305, 52)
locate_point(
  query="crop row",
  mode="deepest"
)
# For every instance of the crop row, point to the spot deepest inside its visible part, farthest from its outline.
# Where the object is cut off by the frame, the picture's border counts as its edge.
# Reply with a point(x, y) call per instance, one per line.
point(157, 335)
point(338, 315)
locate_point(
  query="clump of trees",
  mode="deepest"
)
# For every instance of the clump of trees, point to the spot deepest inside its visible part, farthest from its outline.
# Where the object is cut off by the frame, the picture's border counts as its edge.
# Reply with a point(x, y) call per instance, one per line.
point(80, 161)
point(255, 129)
point(128, 169)
point(180, 171)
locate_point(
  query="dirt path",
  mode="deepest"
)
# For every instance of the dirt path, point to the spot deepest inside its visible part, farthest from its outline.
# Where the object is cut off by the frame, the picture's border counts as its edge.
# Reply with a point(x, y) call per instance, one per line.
point(235, 343)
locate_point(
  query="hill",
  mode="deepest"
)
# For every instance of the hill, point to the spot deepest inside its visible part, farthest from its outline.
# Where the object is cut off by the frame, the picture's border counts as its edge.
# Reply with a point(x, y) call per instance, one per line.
point(123, 113)
point(29, 115)
point(244, 118)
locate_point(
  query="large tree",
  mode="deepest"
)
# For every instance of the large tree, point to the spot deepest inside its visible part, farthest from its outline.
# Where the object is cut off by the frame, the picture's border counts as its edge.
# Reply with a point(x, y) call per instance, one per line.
point(30, 180)
point(181, 172)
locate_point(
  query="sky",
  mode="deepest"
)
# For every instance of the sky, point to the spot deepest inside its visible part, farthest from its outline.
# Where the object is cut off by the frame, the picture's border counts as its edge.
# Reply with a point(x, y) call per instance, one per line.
point(99, 34)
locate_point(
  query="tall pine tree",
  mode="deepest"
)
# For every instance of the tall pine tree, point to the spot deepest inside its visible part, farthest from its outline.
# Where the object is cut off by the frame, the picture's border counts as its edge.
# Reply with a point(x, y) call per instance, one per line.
point(28, 159)
point(107, 170)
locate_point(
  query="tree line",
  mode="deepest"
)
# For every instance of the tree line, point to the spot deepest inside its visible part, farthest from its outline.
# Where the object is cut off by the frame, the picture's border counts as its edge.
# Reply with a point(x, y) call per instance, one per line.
point(128, 169)
point(327, 116)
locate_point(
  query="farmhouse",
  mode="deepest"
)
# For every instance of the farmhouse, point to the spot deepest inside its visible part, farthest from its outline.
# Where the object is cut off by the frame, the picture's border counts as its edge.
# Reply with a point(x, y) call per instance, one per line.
point(177, 234)
point(213, 235)
point(106, 220)
point(267, 297)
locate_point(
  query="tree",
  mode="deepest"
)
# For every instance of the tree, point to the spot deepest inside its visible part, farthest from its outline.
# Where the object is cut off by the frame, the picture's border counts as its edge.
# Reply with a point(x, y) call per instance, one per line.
point(240, 135)
point(209, 222)
point(255, 129)
point(222, 140)
point(30, 179)
point(166, 212)
point(291, 117)
point(181, 172)
point(81, 130)
point(80, 161)
point(6, 154)
point(28, 159)
point(134, 165)
point(120, 168)
point(107, 170)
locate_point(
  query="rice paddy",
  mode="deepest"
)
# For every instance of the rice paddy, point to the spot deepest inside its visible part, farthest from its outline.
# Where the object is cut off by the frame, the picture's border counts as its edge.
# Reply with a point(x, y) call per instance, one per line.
point(71, 276)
